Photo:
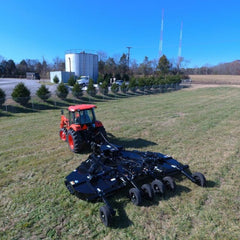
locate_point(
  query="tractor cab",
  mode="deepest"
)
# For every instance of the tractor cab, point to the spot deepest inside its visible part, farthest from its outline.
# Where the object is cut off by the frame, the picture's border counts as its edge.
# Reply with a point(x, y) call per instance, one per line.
point(82, 114)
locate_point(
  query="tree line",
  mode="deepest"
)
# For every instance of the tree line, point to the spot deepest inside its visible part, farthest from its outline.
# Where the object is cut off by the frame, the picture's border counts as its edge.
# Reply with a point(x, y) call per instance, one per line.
point(231, 68)
point(108, 67)
point(119, 68)
point(112, 68)
point(9, 69)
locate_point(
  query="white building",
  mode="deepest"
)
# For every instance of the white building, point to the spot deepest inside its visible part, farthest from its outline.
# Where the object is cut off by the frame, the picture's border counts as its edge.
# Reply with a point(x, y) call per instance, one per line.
point(82, 64)
point(62, 76)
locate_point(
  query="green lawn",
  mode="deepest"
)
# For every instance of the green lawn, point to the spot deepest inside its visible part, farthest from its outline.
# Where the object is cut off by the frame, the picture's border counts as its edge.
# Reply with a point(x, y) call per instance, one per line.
point(199, 127)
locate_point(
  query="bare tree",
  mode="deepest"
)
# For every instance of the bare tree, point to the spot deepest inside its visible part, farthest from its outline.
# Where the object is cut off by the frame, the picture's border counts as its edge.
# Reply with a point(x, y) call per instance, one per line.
point(145, 67)
point(58, 64)
point(102, 56)
point(133, 67)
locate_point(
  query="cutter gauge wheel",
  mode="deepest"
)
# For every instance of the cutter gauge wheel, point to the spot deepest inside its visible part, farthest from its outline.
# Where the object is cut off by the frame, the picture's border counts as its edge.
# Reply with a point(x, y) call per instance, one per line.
point(200, 179)
point(169, 183)
point(158, 187)
point(135, 196)
point(147, 191)
point(105, 215)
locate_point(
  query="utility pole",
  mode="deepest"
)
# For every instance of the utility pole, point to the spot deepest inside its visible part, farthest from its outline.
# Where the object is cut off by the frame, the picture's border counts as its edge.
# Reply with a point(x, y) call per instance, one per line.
point(128, 55)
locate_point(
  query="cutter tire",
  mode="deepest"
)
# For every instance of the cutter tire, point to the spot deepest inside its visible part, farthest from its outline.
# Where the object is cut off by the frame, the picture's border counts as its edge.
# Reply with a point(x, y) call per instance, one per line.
point(105, 215)
point(169, 183)
point(135, 196)
point(158, 187)
point(200, 179)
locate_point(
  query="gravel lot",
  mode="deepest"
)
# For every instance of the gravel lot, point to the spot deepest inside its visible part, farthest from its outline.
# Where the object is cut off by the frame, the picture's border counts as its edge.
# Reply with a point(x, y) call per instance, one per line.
point(8, 84)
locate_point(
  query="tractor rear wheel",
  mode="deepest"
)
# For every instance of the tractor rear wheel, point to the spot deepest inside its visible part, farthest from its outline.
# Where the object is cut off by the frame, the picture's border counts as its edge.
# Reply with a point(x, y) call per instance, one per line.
point(63, 134)
point(75, 141)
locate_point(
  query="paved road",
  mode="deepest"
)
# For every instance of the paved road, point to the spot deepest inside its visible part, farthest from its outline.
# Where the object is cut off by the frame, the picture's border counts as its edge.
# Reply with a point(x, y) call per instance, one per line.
point(8, 84)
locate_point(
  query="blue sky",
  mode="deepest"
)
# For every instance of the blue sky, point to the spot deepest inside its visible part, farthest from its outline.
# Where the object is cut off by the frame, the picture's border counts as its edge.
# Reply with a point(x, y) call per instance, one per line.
point(37, 29)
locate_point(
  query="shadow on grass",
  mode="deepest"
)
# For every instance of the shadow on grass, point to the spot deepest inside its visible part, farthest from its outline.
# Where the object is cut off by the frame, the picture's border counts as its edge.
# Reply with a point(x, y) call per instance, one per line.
point(177, 192)
point(117, 96)
point(211, 184)
point(124, 142)
point(32, 107)
point(19, 109)
point(131, 143)
point(43, 106)
point(102, 98)
point(121, 95)
point(121, 220)
point(4, 114)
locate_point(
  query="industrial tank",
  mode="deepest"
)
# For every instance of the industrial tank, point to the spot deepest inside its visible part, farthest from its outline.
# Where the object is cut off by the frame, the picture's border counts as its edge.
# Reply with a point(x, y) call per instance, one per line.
point(83, 64)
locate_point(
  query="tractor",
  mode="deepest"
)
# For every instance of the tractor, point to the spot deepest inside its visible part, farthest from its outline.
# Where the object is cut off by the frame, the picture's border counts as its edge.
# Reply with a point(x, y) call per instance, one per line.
point(80, 128)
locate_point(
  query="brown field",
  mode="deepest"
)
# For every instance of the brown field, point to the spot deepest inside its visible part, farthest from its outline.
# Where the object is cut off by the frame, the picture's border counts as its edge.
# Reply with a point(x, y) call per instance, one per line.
point(216, 79)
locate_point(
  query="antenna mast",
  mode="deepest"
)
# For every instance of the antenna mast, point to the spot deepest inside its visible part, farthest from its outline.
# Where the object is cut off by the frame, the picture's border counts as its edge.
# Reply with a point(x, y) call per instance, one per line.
point(180, 47)
point(161, 36)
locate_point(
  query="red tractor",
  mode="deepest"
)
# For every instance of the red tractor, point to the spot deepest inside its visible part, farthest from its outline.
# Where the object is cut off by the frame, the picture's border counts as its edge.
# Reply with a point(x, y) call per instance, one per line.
point(81, 127)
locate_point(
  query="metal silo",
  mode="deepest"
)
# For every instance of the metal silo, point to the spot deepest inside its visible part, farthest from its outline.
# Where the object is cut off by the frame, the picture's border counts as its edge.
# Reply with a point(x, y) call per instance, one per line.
point(83, 64)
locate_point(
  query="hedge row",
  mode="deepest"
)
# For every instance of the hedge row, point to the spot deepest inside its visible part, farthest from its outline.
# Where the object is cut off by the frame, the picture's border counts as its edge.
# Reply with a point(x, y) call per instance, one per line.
point(22, 94)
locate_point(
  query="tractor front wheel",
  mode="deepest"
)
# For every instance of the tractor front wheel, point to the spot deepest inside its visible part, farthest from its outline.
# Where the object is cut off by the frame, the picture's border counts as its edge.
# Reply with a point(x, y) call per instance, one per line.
point(63, 134)
point(75, 141)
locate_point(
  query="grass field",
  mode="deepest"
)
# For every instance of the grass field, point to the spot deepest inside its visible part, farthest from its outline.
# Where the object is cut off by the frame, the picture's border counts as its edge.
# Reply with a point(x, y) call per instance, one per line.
point(199, 127)
point(216, 79)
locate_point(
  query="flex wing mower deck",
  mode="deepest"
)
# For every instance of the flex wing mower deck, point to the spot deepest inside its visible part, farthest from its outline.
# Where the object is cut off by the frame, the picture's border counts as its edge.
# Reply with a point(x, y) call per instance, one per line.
point(110, 168)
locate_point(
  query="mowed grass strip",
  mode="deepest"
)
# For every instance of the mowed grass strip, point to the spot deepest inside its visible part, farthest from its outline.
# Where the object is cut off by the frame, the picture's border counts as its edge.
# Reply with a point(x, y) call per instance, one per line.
point(199, 127)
